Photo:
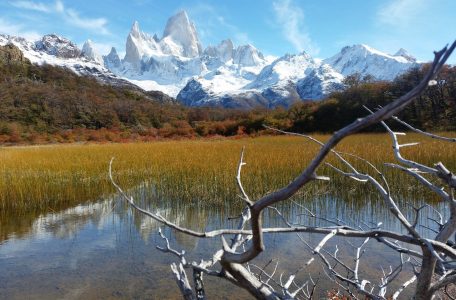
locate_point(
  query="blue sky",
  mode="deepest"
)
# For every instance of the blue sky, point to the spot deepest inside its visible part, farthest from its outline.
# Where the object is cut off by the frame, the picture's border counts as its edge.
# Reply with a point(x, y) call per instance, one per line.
point(275, 27)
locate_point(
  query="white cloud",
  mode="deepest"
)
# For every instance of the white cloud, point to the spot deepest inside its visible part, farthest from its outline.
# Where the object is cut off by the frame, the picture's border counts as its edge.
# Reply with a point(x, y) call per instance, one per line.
point(401, 13)
point(291, 18)
point(210, 22)
point(18, 30)
point(59, 7)
point(41, 7)
point(69, 15)
point(98, 24)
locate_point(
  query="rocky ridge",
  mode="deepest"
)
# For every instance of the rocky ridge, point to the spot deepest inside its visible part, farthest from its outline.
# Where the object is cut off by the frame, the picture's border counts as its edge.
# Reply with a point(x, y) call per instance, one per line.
point(219, 75)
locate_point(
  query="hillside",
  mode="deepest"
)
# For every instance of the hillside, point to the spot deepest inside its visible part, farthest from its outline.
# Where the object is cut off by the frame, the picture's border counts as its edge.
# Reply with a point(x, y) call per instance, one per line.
point(41, 100)
point(48, 104)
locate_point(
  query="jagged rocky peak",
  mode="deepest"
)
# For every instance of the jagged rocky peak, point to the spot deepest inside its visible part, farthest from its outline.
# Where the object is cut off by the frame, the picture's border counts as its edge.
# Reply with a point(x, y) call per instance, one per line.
point(192, 92)
point(180, 37)
point(139, 45)
point(405, 54)
point(135, 29)
point(112, 60)
point(58, 46)
point(223, 51)
point(248, 55)
point(89, 52)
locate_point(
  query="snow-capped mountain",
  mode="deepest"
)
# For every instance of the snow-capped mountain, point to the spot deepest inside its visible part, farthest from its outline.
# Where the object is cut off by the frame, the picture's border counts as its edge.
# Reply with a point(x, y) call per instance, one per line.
point(365, 60)
point(180, 37)
point(219, 75)
point(112, 60)
point(319, 82)
point(57, 46)
point(89, 52)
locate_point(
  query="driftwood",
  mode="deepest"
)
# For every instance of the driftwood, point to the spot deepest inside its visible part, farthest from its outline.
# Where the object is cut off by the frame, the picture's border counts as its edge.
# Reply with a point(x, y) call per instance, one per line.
point(433, 260)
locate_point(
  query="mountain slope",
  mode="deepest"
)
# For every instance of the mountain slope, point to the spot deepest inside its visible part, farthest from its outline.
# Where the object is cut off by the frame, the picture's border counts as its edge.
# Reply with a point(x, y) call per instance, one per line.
point(219, 75)
point(47, 98)
point(365, 60)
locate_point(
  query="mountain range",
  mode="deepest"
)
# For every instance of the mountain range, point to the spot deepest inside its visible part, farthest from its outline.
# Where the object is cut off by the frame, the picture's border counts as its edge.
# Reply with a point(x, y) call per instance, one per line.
point(218, 75)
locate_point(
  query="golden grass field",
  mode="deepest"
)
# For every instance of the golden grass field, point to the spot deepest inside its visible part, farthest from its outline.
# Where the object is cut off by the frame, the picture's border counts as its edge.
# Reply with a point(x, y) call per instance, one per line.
point(46, 178)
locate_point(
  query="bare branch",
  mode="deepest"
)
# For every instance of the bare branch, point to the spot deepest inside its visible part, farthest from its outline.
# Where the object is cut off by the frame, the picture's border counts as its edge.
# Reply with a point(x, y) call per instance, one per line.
point(182, 282)
point(431, 135)
point(403, 286)
point(245, 197)
point(246, 244)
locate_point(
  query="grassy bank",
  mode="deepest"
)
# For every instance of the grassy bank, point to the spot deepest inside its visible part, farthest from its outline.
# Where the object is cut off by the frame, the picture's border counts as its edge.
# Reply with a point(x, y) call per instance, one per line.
point(46, 178)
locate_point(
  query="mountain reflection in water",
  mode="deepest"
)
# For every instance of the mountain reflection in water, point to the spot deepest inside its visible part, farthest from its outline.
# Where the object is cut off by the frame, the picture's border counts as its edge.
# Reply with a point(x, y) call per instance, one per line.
point(105, 250)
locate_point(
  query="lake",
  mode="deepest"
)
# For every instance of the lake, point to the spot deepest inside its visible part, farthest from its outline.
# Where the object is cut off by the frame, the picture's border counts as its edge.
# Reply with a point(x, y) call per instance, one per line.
point(104, 250)
point(64, 233)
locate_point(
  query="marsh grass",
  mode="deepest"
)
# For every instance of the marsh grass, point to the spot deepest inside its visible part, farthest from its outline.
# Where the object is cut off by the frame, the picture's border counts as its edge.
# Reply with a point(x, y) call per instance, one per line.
point(46, 178)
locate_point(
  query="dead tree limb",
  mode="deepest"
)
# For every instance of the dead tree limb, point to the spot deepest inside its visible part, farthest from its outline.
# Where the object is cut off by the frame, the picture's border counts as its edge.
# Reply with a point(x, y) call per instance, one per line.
point(236, 265)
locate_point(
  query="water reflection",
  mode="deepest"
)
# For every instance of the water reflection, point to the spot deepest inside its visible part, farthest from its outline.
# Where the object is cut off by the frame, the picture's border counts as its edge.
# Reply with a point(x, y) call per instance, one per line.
point(104, 250)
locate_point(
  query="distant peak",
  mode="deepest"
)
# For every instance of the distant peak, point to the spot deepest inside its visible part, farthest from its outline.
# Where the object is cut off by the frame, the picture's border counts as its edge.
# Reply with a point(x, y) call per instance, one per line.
point(227, 42)
point(178, 22)
point(181, 14)
point(55, 37)
point(135, 28)
point(113, 51)
point(401, 52)
point(405, 54)
point(362, 49)
point(182, 32)
point(88, 43)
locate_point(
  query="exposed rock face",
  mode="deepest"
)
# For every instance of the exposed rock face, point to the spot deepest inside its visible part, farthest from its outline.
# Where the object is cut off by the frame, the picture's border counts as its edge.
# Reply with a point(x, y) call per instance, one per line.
point(221, 75)
point(223, 52)
point(180, 37)
point(112, 60)
point(139, 45)
point(193, 93)
point(11, 54)
point(319, 83)
point(247, 55)
point(58, 46)
point(89, 52)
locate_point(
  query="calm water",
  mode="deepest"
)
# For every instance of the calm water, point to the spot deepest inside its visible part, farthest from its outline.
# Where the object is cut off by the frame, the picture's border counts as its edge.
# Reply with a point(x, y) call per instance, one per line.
point(102, 250)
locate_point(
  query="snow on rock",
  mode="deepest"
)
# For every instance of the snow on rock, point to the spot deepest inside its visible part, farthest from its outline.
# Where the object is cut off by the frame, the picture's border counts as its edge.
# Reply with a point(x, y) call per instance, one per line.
point(319, 83)
point(221, 75)
point(89, 52)
point(193, 93)
point(112, 60)
point(405, 54)
point(247, 55)
point(284, 69)
point(180, 37)
point(223, 52)
point(139, 45)
point(365, 60)
point(55, 45)
point(59, 51)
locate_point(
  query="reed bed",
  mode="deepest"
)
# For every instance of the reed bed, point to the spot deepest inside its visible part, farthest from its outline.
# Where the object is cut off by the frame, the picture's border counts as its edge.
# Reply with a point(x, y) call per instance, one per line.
point(46, 178)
